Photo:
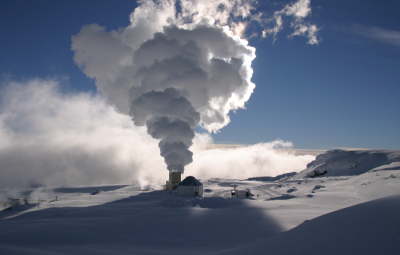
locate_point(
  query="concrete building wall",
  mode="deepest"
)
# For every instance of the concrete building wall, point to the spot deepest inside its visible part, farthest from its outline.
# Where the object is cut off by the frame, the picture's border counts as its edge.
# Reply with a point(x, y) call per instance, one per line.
point(190, 191)
point(175, 177)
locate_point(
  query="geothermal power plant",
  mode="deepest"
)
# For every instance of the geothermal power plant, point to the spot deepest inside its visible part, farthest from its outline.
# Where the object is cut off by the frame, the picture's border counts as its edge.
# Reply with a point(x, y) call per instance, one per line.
point(190, 186)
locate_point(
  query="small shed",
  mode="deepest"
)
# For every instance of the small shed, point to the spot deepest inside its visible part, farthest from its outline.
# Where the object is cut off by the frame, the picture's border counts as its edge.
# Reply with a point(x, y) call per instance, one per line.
point(190, 187)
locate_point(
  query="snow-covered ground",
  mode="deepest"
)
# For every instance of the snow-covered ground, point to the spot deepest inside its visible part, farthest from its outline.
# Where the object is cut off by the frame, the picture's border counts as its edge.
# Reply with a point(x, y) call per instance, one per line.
point(328, 214)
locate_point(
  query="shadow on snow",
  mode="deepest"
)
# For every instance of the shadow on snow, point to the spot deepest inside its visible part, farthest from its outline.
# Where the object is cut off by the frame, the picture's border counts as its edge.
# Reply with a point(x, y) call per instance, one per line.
point(149, 223)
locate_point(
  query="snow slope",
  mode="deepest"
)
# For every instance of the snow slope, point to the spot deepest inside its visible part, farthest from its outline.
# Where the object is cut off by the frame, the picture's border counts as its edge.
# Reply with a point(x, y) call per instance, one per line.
point(368, 228)
point(340, 162)
point(323, 215)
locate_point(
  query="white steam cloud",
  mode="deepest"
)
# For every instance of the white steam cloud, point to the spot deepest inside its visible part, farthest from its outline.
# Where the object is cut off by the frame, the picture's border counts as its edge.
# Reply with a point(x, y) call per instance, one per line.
point(180, 64)
point(54, 139)
point(263, 159)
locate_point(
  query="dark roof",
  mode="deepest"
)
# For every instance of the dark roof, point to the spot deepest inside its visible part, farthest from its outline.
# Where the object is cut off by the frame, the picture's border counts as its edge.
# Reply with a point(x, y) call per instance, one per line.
point(190, 181)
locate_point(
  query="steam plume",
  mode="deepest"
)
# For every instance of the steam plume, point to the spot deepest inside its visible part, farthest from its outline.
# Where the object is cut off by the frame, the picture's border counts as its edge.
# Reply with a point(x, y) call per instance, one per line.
point(169, 116)
point(178, 65)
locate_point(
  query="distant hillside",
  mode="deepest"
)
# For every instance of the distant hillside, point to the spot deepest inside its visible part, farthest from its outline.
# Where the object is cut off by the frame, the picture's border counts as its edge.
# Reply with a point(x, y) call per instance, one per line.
point(340, 163)
point(271, 179)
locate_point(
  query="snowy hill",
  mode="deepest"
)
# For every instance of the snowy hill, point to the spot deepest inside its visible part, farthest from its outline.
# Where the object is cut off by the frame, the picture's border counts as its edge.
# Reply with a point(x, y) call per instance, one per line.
point(344, 163)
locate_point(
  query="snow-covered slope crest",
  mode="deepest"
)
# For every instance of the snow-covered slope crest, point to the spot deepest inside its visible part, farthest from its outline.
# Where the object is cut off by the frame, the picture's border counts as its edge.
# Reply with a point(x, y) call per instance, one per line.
point(341, 162)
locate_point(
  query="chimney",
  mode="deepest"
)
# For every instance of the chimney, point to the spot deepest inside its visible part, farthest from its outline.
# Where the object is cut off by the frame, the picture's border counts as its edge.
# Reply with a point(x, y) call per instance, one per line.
point(174, 180)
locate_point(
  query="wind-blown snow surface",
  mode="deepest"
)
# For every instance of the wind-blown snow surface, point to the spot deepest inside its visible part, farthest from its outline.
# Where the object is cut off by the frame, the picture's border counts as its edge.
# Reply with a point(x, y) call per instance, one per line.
point(323, 215)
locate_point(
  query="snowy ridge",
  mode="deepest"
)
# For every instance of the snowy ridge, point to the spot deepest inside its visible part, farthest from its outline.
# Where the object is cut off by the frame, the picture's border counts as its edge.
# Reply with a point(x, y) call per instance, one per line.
point(345, 163)
point(271, 179)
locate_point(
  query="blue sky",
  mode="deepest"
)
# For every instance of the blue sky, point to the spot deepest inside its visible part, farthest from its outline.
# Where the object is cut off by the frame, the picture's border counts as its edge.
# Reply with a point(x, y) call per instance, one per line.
point(343, 92)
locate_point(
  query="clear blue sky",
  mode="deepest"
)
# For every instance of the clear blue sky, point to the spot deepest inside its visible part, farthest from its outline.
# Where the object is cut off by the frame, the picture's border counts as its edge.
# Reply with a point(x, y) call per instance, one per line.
point(343, 92)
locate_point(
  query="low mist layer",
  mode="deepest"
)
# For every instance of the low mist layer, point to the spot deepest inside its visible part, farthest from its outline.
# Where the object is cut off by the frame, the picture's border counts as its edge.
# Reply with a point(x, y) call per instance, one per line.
point(53, 138)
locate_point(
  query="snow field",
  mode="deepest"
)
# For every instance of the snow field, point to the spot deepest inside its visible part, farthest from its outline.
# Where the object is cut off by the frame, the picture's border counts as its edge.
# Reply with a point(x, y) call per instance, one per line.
point(323, 215)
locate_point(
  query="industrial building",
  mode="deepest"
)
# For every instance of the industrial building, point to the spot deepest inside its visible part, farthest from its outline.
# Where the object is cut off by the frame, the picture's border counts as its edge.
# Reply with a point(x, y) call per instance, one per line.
point(174, 180)
point(190, 187)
